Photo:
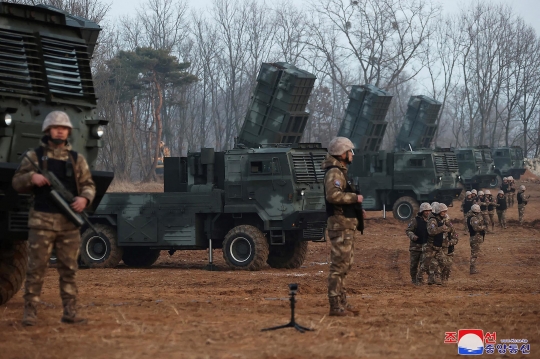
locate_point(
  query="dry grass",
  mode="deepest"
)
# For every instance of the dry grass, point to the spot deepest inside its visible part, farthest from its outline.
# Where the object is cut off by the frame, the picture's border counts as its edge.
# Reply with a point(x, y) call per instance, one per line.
point(125, 186)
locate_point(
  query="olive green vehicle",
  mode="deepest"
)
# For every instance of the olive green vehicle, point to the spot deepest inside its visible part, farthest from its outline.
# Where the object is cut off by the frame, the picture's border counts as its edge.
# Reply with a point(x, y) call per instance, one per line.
point(404, 178)
point(509, 161)
point(44, 66)
point(261, 202)
point(476, 168)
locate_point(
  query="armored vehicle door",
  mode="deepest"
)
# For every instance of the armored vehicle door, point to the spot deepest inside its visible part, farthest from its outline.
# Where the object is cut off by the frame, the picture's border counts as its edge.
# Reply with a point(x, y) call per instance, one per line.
point(265, 185)
point(137, 220)
point(235, 177)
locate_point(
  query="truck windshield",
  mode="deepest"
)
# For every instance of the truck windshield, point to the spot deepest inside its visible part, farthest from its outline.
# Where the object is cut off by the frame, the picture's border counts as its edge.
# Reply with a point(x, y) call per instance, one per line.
point(478, 157)
point(487, 156)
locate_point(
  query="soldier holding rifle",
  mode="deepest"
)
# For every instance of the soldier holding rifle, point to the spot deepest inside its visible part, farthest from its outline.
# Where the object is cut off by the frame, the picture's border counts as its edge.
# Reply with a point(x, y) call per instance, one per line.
point(51, 221)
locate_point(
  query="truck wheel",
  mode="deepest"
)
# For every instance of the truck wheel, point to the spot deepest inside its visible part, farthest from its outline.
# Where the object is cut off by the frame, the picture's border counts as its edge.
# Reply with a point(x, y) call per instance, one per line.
point(13, 261)
point(100, 252)
point(140, 256)
point(496, 182)
point(245, 247)
point(289, 256)
point(405, 208)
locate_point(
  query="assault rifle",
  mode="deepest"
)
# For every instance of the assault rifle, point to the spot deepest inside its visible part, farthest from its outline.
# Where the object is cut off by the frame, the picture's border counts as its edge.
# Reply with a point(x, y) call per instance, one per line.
point(62, 197)
point(358, 207)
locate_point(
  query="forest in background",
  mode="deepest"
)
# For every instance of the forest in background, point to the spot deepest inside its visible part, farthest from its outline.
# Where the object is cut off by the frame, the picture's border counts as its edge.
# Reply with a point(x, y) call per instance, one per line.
point(184, 76)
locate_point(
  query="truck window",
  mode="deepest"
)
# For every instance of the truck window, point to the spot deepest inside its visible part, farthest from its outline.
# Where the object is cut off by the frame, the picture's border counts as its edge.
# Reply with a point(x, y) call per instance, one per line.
point(478, 156)
point(417, 162)
point(264, 167)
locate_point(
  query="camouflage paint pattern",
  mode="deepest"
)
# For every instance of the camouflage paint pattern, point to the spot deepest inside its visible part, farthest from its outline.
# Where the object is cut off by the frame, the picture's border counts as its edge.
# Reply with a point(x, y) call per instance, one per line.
point(341, 257)
point(475, 167)
point(477, 223)
point(509, 161)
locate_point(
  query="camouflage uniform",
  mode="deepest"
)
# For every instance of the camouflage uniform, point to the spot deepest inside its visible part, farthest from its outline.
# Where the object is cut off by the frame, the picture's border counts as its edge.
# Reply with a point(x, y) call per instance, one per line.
point(449, 241)
point(434, 257)
point(416, 229)
point(512, 193)
point(341, 229)
point(477, 228)
point(492, 204)
point(465, 208)
point(501, 210)
point(483, 202)
point(522, 202)
point(51, 229)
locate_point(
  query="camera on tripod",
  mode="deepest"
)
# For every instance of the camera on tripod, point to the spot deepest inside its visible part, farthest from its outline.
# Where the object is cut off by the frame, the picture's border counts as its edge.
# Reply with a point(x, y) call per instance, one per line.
point(293, 288)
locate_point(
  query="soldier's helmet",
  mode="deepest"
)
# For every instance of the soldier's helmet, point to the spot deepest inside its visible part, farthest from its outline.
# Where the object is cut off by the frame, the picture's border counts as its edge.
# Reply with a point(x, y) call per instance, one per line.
point(500, 192)
point(441, 207)
point(56, 118)
point(425, 207)
point(481, 193)
point(488, 192)
point(433, 206)
point(468, 193)
point(510, 178)
point(475, 208)
point(522, 188)
point(473, 191)
point(339, 146)
point(505, 178)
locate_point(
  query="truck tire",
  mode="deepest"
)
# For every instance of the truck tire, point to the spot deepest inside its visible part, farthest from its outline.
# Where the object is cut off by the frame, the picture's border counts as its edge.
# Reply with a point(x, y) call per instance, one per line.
point(496, 183)
point(289, 256)
point(405, 208)
point(140, 256)
point(13, 262)
point(245, 247)
point(99, 252)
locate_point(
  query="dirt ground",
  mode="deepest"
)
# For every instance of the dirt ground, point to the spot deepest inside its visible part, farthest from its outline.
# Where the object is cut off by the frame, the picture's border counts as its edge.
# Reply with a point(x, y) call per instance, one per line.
point(175, 309)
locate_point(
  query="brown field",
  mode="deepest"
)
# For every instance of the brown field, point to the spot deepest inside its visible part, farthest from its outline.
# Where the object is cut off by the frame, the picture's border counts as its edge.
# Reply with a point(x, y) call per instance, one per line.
point(175, 309)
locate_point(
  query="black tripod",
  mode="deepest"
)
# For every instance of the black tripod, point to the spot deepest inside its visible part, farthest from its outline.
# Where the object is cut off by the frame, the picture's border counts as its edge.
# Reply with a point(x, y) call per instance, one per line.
point(292, 324)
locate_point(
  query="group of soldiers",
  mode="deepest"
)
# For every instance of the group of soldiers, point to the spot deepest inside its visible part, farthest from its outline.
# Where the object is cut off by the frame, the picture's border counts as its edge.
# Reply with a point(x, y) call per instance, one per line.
point(433, 237)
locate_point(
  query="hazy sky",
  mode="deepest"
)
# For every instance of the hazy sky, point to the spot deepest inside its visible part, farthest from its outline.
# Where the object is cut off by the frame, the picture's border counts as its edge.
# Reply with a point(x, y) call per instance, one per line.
point(528, 9)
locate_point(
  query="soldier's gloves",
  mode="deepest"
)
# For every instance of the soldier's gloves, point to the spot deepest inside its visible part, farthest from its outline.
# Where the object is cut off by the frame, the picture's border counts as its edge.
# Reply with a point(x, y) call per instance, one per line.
point(415, 238)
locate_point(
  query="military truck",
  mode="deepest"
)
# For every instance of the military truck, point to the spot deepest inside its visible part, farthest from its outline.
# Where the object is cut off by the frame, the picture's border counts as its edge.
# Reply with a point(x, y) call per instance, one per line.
point(44, 66)
point(406, 177)
point(476, 167)
point(509, 161)
point(260, 201)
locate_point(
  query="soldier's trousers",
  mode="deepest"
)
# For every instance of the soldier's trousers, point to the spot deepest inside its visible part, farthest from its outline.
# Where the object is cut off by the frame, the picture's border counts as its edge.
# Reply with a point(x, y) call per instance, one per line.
point(341, 257)
point(512, 199)
point(491, 215)
point(502, 217)
point(475, 247)
point(521, 212)
point(485, 216)
point(447, 263)
point(427, 255)
point(437, 262)
point(508, 199)
point(416, 265)
point(41, 243)
point(465, 222)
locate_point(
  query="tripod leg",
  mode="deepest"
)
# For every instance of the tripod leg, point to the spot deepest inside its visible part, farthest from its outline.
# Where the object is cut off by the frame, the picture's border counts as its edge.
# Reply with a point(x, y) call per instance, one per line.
point(288, 325)
point(301, 328)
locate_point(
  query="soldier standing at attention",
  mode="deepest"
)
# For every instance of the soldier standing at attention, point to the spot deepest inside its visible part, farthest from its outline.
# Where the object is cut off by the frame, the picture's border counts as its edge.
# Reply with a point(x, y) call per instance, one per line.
point(49, 227)
point(342, 221)
point(501, 208)
point(436, 231)
point(505, 187)
point(450, 240)
point(417, 233)
point(466, 207)
point(492, 203)
point(477, 229)
point(522, 202)
point(512, 191)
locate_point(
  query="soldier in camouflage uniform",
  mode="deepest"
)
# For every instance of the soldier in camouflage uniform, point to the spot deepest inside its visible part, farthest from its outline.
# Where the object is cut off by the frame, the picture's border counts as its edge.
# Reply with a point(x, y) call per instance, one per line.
point(501, 208)
point(417, 233)
point(474, 194)
point(505, 187)
point(342, 222)
point(449, 241)
point(427, 252)
point(49, 227)
point(466, 207)
point(477, 231)
point(483, 203)
point(512, 191)
point(437, 230)
point(492, 204)
point(522, 202)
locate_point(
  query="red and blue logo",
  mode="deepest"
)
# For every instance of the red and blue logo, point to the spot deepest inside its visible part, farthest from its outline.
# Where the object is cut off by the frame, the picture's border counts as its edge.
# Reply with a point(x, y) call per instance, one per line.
point(470, 342)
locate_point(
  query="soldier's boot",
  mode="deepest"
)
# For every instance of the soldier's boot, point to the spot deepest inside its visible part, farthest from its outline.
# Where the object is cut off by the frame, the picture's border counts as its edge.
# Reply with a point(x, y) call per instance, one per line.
point(70, 313)
point(347, 306)
point(419, 280)
point(431, 279)
point(437, 279)
point(30, 314)
point(336, 310)
point(473, 269)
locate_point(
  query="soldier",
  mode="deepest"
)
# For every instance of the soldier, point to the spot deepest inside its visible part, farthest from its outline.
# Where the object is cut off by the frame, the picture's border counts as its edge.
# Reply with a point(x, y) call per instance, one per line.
point(437, 231)
point(482, 202)
point(477, 229)
point(342, 221)
point(450, 240)
point(466, 207)
point(505, 187)
point(501, 208)
point(474, 194)
point(512, 191)
point(49, 227)
point(522, 202)
point(492, 203)
point(427, 250)
point(417, 233)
